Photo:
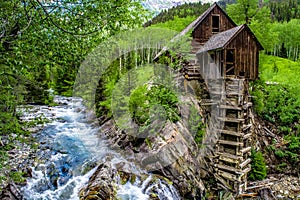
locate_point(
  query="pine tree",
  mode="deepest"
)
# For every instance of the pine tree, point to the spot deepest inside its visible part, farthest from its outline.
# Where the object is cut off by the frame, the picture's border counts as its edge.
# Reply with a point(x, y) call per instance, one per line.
point(258, 166)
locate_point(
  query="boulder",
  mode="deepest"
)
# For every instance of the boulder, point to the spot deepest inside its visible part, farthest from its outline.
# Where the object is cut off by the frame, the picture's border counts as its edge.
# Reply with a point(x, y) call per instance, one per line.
point(100, 185)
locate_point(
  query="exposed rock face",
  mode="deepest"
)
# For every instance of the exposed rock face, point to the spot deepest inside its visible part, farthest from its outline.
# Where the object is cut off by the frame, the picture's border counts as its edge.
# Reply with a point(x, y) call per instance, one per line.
point(100, 184)
point(11, 192)
point(170, 152)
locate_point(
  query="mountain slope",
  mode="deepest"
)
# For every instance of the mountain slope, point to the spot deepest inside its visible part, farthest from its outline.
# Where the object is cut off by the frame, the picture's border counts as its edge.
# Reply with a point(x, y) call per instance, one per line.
point(157, 6)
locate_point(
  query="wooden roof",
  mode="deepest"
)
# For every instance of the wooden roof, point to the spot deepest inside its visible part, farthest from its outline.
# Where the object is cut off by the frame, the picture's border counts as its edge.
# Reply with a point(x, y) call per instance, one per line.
point(206, 13)
point(193, 25)
point(220, 40)
point(196, 22)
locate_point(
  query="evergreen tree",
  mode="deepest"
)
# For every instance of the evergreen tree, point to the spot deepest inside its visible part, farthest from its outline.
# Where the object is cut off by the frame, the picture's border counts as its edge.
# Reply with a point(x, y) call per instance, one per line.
point(258, 166)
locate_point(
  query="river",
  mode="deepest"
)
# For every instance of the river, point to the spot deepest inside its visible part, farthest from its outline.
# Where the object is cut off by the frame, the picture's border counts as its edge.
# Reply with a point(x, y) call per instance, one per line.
point(71, 147)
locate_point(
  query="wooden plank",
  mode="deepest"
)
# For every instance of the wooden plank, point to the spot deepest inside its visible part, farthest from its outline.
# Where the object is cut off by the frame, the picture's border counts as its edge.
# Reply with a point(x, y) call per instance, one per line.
point(249, 195)
point(247, 136)
point(230, 107)
point(227, 175)
point(246, 162)
point(231, 119)
point(230, 160)
point(245, 150)
point(247, 105)
point(231, 133)
point(230, 143)
point(247, 170)
point(245, 127)
point(229, 156)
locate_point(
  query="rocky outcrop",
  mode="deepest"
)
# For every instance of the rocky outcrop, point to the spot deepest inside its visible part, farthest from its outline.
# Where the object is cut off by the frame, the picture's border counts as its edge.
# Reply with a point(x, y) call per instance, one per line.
point(112, 178)
point(11, 192)
point(100, 184)
point(170, 151)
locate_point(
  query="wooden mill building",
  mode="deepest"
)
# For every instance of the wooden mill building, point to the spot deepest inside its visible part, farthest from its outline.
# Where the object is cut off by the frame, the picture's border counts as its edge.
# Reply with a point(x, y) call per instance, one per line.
point(226, 57)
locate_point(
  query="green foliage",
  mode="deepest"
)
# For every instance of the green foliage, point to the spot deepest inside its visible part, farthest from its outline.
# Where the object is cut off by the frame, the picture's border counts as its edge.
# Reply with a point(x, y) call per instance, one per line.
point(279, 100)
point(160, 95)
point(286, 73)
point(42, 44)
point(292, 151)
point(280, 38)
point(177, 24)
point(243, 11)
point(196, 125)
point(258, 166)
point(282, 167)
point(142, 99)
point(139, 105)
point(186, 10)
point(277, 104)
point(284, 10)
point(17, 177)
point(287, 41)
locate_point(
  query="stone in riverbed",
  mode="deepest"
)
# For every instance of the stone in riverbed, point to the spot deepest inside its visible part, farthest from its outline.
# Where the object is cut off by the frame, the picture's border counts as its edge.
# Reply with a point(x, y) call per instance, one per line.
point(100, 184)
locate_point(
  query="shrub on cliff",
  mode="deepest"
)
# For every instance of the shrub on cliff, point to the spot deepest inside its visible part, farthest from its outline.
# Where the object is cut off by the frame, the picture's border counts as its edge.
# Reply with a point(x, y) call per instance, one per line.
point(258, 166)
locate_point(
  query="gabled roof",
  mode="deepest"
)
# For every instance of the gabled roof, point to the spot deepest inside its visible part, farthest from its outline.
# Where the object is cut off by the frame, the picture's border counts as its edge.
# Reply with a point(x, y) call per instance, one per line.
point(200, 19)
point(194, 24)
point(220, 40)
point(206, 13)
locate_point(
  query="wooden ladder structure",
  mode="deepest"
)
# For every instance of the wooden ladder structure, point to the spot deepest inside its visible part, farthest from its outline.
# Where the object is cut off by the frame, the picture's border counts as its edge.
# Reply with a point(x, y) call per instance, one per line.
point(230, 143)
point(232, 162)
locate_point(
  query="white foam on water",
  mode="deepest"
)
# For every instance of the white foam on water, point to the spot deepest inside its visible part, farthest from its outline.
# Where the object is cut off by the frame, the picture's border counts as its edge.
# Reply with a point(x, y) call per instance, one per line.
point(80, 149)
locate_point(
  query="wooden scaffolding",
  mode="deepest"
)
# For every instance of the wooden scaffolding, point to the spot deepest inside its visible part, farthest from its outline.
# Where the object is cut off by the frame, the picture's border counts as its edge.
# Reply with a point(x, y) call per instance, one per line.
point(231, 139)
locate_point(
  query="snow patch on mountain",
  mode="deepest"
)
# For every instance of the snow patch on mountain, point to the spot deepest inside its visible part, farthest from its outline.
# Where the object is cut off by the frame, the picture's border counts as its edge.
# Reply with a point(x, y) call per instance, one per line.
point(158, 5)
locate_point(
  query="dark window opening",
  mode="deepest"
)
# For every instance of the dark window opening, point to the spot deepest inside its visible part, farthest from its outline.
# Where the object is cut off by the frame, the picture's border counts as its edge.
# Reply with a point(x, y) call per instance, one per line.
point(230, 62)
point(242, 74)
point(212, 57)
point(230, 56)
point(215, 23)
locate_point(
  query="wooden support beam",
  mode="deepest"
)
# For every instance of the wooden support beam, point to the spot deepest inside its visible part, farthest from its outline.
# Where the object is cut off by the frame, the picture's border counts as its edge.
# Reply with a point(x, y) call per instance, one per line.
point(259, 186)
point(249, 195)
point(228, 155)
point(246, 171)
point(245, 127)
point(230, 160)
point(226, 132)
point(231, 119)
point(221, 179)
point(247, 105)
point(231, 143)
point(245, 163)
point(227, 175)
point(229, 168)
point(247, 136)
point(245, 150)
point(230, 107)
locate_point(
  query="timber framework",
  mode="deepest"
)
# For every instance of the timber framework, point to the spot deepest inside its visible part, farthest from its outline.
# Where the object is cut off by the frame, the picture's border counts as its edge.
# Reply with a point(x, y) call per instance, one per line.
point(226, 57)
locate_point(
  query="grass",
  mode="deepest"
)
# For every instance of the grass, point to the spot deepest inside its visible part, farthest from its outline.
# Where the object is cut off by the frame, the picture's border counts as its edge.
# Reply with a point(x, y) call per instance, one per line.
point(178, 24)
point(279, 70)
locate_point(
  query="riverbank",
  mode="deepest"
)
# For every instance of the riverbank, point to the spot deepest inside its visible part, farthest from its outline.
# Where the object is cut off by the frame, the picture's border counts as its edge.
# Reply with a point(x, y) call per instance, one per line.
point(24, 150)
point(62, 154)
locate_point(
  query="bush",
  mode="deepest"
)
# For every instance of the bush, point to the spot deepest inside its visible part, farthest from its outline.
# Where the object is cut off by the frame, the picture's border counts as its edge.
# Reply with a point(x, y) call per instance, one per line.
point(196, 125)
point(143, 99)
point(258, 166)
point(276, 103)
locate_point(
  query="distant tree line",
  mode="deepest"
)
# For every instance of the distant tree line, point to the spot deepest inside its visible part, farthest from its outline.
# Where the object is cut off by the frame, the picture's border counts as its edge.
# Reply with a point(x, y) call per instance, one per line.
point(181, 11)
point(284, 10)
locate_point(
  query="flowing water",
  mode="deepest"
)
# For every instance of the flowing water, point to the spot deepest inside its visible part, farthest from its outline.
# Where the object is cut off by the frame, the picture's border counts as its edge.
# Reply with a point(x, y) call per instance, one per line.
point(71, 147)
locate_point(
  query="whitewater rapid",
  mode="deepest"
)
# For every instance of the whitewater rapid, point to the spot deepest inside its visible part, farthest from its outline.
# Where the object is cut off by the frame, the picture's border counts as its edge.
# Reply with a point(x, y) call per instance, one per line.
point(71, 148)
